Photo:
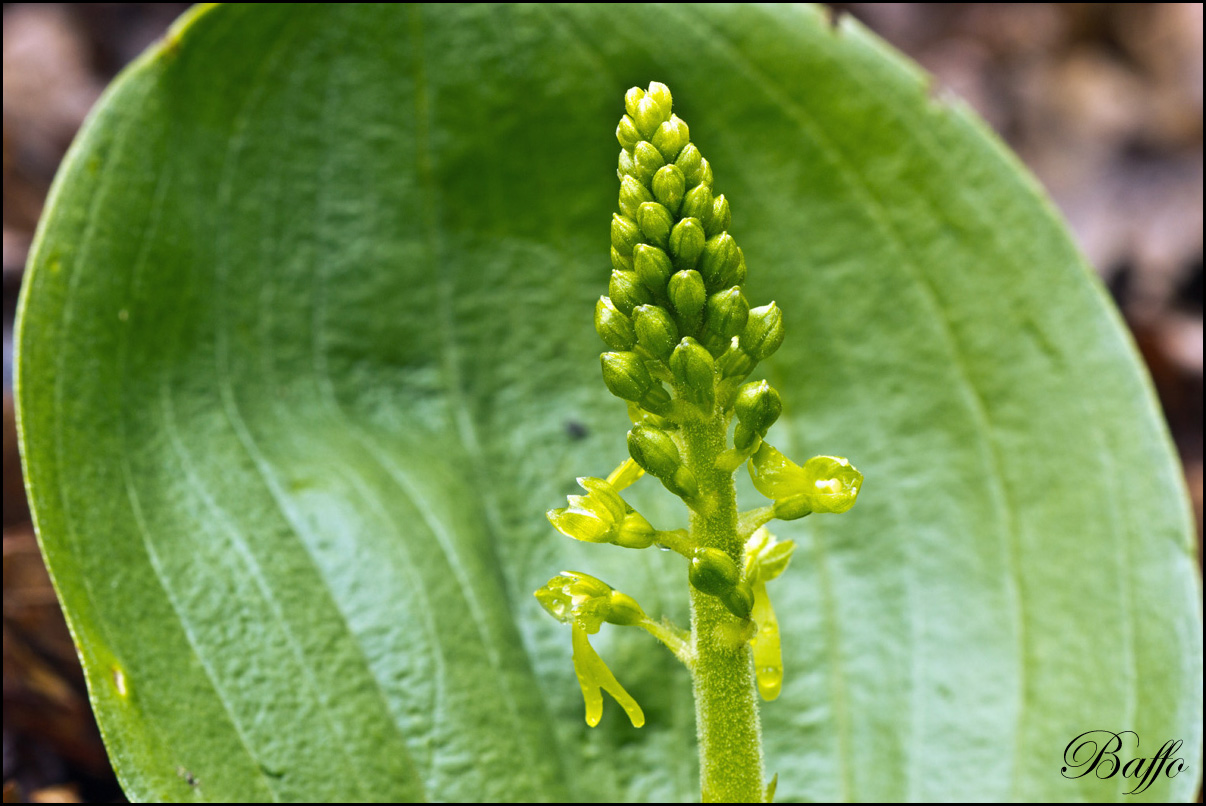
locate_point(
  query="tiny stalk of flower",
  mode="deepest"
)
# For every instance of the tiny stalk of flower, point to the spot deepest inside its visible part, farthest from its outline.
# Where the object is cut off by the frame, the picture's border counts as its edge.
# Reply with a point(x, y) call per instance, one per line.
point(682, 340)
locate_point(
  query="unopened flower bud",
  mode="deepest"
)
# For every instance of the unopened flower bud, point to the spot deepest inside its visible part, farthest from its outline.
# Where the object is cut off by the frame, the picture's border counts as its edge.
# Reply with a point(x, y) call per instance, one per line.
point(623, 609)
point(613, 326)
point(688, 295)
point(626, 376)
point(735, 271)
point(671, 137)
point(631, 99)
point(655, 222)
point(694, 369)
point(682, 483)
point(627, 133)
point(726, 317)
point(655, 330)
point(698, 204)
point(718, 252)
point(687, 243)
point(690, 161)
point(627, 292)
point(660, 94)
point(638, 415)
point(744, 436)
point(625, 234)
point(626, 165)
point(632, 195)
point(739, 600)
point(635, 532)
point(654, 450)
point(758, 405)
point(735, 363)
point(649, 115)
point(722, 217)
point(619, 262)
point(648, 160)
point(652, 267)
point(793, 508)
point(763, 332)
point(713, 572)
point(656, 402)
point(705, 173)
point(669, 185)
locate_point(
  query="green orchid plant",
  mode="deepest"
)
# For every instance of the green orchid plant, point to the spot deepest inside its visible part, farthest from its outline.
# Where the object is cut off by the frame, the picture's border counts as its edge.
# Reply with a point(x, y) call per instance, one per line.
point(301, 359)
point(682, 340)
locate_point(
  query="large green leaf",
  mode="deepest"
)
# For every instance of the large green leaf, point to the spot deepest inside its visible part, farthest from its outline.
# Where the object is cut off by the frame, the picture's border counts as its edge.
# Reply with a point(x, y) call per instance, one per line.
point(306, 351)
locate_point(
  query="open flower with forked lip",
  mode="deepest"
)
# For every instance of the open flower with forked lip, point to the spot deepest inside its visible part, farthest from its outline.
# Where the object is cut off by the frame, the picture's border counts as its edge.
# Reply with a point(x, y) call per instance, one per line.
point(585, 603)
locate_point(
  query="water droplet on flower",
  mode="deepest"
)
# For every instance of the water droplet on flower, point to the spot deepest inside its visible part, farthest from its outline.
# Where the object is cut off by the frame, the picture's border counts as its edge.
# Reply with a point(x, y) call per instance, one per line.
point(770, 676)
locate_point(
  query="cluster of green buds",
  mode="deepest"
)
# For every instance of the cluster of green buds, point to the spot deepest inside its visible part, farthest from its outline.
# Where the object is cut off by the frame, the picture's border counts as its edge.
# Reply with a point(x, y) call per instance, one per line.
point(675, 312)
point(682, 340)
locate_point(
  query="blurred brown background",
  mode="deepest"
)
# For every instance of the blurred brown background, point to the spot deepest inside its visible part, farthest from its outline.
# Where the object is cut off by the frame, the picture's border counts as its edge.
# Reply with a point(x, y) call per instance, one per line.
point(1102, 100)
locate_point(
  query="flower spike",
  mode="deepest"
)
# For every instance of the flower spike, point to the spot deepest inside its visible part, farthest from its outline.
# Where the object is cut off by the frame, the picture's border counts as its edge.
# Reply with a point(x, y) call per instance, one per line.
point(682, 338)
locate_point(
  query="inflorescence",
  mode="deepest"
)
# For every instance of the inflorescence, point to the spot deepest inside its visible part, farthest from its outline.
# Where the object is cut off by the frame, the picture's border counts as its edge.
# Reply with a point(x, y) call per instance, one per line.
point(682, 340)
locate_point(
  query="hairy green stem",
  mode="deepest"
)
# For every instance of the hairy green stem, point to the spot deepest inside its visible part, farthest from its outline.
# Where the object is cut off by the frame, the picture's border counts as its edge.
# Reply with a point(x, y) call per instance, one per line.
point(726, 706)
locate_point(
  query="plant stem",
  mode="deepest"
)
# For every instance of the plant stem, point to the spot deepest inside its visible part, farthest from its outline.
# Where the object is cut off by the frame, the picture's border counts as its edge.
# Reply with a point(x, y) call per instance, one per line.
point(726, 706)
